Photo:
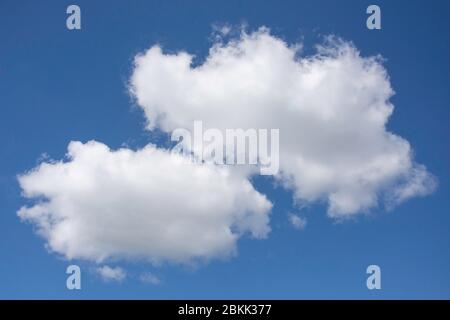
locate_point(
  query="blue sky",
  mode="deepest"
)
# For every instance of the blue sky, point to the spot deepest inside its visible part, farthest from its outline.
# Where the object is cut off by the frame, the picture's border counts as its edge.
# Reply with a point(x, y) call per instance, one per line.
point(58, 85)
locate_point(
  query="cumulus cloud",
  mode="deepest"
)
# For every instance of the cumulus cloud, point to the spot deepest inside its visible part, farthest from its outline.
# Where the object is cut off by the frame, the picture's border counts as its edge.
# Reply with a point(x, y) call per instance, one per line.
point(101, 204)
point(331, 108)
point(297, 221)
point(149, 278)
point(111, 274)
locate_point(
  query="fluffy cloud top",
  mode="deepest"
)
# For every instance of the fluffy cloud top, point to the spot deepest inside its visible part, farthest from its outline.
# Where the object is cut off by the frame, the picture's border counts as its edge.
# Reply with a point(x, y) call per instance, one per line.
point(147, 204)
point(331, 109)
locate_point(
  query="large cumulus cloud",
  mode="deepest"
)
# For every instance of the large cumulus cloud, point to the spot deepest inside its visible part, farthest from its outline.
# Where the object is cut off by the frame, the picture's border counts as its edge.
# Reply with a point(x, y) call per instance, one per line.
point(331, 109)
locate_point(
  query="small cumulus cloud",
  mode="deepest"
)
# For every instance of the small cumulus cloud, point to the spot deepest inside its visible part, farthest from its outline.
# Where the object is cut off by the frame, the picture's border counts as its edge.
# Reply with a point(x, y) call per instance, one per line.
point(108, 273)
point(297, 221)
point(149, 278)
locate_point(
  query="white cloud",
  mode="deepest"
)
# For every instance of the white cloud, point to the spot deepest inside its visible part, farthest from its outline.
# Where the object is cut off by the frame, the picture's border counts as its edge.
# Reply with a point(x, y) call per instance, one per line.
point(331, 109)
point(297, 221)
point(111, 274)
point(150, 278)
point(103, 204)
